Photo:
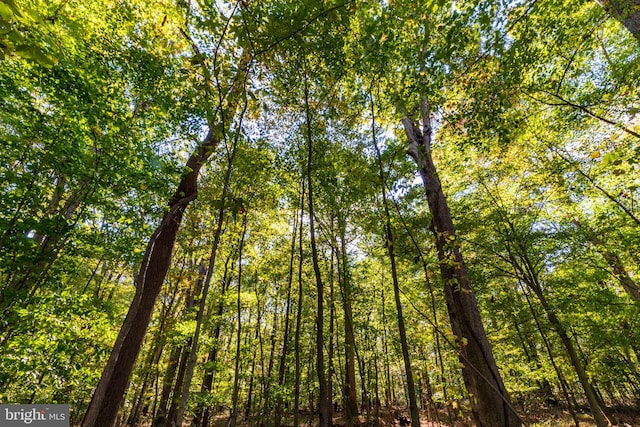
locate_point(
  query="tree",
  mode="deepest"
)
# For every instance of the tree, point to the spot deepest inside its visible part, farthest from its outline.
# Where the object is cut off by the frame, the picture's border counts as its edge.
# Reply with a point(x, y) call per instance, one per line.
point(490, 400)
point(532, 123)
point(390, 244)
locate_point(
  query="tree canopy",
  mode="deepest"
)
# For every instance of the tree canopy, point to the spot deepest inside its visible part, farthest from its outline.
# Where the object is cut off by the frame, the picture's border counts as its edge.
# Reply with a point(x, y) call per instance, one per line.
point(286, 212)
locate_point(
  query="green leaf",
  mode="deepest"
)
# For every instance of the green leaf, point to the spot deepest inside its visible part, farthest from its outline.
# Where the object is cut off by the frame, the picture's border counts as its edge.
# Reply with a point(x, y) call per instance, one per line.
point(44, 59)
point(25, 51)
point(6, 13)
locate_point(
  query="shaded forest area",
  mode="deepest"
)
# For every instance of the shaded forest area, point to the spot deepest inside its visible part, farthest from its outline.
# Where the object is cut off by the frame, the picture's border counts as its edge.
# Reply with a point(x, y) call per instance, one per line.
point(339, 212)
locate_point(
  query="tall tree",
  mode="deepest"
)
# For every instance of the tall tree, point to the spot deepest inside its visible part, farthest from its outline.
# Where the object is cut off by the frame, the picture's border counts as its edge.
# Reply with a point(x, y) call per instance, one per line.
point(390, 243)
point(109, 392)
point(323, 399)
point(490, 401)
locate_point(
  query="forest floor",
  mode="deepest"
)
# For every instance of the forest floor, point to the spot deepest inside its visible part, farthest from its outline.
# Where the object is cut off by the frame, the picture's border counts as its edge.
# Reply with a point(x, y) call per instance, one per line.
point(534, 417)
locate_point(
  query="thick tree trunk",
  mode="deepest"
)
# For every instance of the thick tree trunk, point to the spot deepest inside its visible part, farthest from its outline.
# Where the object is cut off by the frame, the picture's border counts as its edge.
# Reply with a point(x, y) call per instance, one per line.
point(191, 362)
point(491, 404)
point(106, 400)
point(625, 11)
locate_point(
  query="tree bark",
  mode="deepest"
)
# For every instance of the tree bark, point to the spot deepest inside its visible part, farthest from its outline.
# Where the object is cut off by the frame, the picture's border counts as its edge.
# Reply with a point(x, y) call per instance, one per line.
point(556, 368)
point(350, 398)
point(296, 339)
point(106, 400)
point(285, 339)
point(411, 388)
point(236, 375)
point(167, 385)
point(186, 387)
point(323, 398)
point(389, 395)
point(174, 418)
point(207, 383)
point(625, 11)
point(491, 405)
point(527, 274)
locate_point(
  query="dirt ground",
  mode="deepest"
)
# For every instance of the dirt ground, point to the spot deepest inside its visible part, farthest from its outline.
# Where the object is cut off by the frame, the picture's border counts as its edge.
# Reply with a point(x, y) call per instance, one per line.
point(537, 417)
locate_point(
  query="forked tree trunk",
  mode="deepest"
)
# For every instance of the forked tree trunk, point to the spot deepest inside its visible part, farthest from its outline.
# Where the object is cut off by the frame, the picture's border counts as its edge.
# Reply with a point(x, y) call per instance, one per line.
point(193, 351)
point(491, 405)
point(109, 393)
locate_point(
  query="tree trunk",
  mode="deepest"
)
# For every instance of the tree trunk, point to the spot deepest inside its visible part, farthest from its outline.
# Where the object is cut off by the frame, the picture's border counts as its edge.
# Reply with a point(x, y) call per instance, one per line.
point(167, 385)
point(411, 388)
point(106, 400)
point(174, 418)
point(491, 405)
point(236, 375)
point(191, 362)
point(285, 339)
point(555, 366)
point(248, 408)
point(625, 11)
point(331, 355)
point(109, 393)
point(296, 340)
point(266, 393)
point(323, 398)
point(350, 398)
point(434, 322)
point(389, 395)
point(528, 275)
point(207, 384)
